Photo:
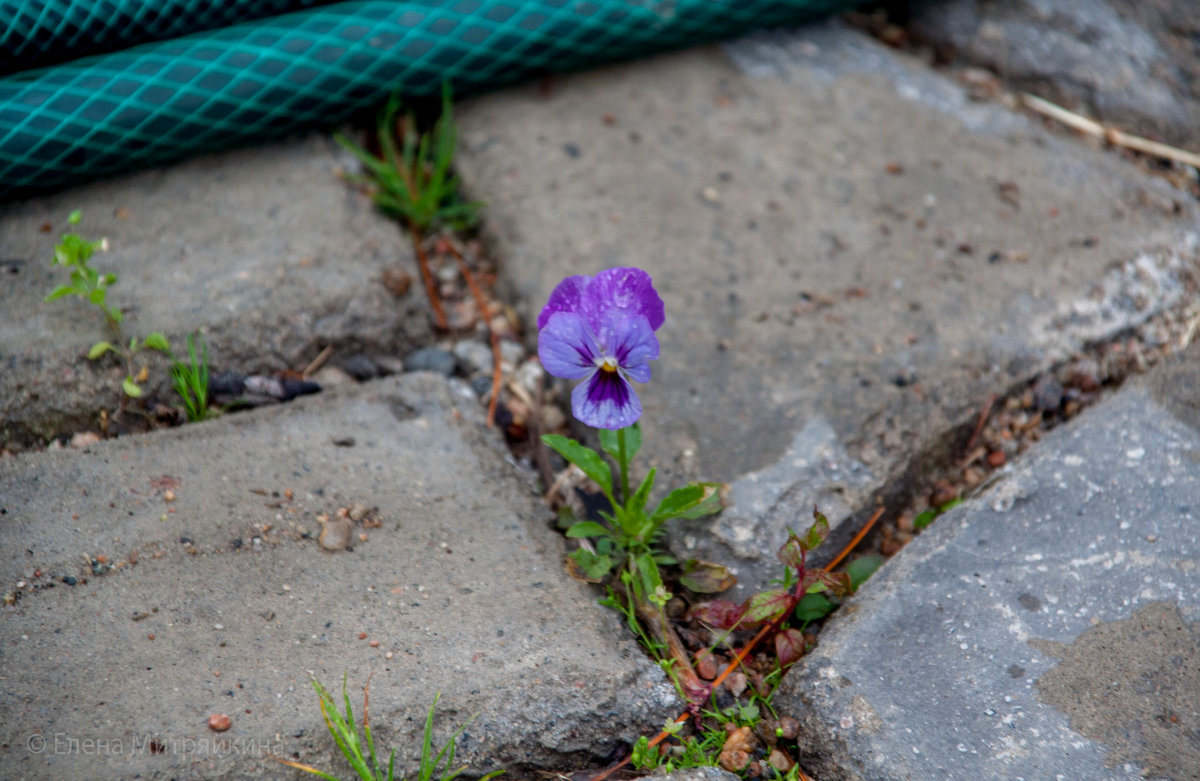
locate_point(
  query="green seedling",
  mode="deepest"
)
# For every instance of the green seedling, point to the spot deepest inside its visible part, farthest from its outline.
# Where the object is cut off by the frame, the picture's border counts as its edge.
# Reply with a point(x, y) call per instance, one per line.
point(412, 181)
point(75, 253)
point(359, 749)
point(191, 380)
point(929, 516)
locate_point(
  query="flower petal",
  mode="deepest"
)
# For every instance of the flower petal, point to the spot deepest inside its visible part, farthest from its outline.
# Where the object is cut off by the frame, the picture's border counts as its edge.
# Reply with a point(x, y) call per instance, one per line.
point(627, 290)
point(632, 342)
point(565, 298)
point(567, 347)
point(606, 400)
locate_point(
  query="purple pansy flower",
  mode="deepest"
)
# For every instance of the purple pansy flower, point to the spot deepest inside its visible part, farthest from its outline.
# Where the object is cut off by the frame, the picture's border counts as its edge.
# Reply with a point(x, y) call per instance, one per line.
point(601, 330)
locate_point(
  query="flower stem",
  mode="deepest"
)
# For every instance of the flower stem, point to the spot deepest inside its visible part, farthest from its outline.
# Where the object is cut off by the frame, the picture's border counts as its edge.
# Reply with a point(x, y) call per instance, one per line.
point(624, 464)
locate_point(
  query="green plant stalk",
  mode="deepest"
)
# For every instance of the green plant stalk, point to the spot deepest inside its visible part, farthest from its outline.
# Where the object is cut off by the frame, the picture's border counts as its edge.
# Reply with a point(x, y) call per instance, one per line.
point(624, 464)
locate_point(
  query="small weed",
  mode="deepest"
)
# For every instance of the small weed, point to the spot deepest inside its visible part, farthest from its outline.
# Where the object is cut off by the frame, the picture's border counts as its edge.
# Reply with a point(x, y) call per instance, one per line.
point(89, 284)
point(412, 182)
point(929, 516)
point(433, 767)
point(191, 381)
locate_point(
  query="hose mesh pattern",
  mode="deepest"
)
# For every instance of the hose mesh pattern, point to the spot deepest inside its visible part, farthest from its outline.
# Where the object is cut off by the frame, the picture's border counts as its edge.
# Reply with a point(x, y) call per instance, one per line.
point(158, 101)
point(35, 33)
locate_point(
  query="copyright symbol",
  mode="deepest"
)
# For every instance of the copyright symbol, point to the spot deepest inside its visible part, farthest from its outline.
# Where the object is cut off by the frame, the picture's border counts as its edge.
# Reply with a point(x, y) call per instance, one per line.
point(36, 743)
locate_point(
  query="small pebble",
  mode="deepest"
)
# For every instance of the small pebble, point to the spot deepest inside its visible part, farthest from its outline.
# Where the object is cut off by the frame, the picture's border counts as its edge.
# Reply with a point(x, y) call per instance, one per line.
point(335, 533)
point(996, 458)
point(362, 635)
point(388, 655)
point(168, 496)
point(430, 359)
point(85, 438)
point(374, 643)
point(219, 722)
point(473, 357)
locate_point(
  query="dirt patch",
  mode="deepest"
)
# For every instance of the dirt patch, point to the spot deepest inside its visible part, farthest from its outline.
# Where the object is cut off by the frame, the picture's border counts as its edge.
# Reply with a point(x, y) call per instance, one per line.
point(1132, 685)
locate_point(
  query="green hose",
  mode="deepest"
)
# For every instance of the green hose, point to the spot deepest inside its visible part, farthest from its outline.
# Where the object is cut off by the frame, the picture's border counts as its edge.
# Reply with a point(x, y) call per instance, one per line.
point(64, 124)
point(36, 34)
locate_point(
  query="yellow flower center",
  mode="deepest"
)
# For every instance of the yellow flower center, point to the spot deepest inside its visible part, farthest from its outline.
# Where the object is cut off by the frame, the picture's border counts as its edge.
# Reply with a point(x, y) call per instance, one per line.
point(607, 364)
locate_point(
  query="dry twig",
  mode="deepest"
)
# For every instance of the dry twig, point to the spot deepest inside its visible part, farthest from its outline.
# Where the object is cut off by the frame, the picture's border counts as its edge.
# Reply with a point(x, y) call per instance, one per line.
point(1110, 134)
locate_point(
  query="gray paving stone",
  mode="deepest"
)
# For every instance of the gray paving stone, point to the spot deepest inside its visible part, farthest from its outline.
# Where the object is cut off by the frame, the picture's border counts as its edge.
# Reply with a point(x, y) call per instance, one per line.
point(1124, 61)
point(462, 585)
point(853, 255)
point(264, 249)
point(1048, 629)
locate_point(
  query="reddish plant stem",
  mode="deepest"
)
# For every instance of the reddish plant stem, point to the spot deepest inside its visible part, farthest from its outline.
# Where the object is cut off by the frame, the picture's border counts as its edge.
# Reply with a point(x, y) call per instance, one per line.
point(746, 649)
point(418, 240)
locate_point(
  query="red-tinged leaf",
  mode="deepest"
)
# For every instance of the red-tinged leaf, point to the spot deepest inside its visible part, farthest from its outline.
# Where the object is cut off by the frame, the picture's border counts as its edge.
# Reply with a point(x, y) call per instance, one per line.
point(766, 606)
point(704, 577)
point(838, 583)
point(719, 613)
point(791, 553)
point(789, 646)
point(817, 532)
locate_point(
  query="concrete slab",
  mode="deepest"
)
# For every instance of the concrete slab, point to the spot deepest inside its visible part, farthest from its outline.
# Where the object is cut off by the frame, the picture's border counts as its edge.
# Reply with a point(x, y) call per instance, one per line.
point(1048, 629)
point(264, 249)
point(852, 253)
point(233, 603)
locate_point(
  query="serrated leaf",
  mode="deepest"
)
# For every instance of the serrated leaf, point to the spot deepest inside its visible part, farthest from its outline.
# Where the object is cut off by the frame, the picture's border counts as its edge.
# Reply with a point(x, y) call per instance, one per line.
point(131, 388)
point(59, 292)
point(862, 568)
point(98, 349)
point(766, 606)
point(583, 457)
point(691, 501)
point(789, 646)
point(587, 529)
point(156, 341)
point(587, 566)
point(705, 577)
point(813, 606)
point(711, 503)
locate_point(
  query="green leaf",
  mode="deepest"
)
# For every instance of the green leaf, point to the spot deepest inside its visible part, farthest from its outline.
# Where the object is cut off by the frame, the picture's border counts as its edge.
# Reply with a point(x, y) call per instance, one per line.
point(691, 501)
point(591, 566)
point(924, 519)
point(862, 568)
point(637, 502)
point(75, 217)
point(709, 505)
point(633, 442)
point(60, 292)
point(98, 349)
point(705, 577)
point(97, 297)
point(157, 341)
point(131, 388)
point(766, 606)
point(566, 518)
point(583, 457)
point(588, 529)
point(813, 606)
point(816, 533)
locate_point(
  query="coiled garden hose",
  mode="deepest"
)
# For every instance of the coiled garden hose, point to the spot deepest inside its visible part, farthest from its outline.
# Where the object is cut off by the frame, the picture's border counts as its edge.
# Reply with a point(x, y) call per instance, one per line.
point(232, 85)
